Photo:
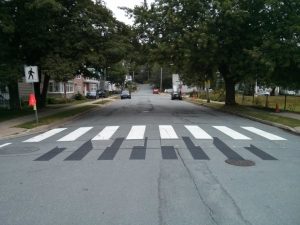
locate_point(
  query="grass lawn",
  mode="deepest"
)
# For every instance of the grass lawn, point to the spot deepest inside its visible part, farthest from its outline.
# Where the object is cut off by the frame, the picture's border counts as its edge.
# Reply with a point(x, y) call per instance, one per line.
point(292, 102)
point(264, 114)
point(55, 117)
point(101, 102)
point(6, 114)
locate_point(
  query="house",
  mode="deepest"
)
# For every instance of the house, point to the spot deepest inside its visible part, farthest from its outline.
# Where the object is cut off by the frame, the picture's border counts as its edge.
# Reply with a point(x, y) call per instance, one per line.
point(79, 84)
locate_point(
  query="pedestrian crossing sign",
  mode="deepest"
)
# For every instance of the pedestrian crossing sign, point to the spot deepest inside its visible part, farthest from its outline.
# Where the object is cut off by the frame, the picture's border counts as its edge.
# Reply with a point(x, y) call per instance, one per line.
point(31, 74)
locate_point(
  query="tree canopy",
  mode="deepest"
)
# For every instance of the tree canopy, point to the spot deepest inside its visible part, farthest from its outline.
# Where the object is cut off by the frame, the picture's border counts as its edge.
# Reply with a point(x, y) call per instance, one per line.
point(239, 38)
point(60, 36)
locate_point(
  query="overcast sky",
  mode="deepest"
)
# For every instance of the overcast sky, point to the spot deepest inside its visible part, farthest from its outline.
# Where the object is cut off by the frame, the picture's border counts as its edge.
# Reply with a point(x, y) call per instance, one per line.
point(120, 14)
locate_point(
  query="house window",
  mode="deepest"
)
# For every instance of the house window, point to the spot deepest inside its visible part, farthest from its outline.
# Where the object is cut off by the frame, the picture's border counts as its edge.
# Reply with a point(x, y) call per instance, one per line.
point(58, 87)
point(70, 87)
point(55, 87)
point(93, 87)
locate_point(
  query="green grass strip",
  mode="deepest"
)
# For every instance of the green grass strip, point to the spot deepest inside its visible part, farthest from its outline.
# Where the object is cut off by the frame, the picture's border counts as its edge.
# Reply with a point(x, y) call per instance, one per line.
point(101, 102)
point(252, 112)
point(56, 117)
point(6, 114)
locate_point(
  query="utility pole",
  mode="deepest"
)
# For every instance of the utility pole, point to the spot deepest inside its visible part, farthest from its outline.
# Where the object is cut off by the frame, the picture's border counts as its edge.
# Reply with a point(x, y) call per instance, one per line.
point(161, 71)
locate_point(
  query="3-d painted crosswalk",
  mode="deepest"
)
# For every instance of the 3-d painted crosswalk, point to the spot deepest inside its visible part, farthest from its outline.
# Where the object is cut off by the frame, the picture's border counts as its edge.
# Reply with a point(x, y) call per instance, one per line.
point(232, 133)
point(4, 145)
point(120, 134)
point(168, 152)
point(198, 132)
point(264, 134)
point(45, 135)
point(136, 133)
point(166, 132)
point(76, 134)
point(106, 133)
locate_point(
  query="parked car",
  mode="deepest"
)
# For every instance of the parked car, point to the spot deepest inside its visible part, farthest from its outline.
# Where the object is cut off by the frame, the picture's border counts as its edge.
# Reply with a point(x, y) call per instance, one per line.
point(92, 95)
point(176, 95)
point(125, 94)
point(102, 94)
point(264, 93)
point(291, 92)
point(155, 91)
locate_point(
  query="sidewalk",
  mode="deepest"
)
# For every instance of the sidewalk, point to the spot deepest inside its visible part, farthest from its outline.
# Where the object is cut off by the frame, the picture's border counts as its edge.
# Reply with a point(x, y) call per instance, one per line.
point(8, 128)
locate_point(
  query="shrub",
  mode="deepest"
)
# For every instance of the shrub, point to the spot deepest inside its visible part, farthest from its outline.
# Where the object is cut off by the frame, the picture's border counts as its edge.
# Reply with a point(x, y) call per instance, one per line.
point(52, 100)
point(79, 96)
point(218, 95)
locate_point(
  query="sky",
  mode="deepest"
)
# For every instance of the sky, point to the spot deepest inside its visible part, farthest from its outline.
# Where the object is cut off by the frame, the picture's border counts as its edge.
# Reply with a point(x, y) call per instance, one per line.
point(120, 14)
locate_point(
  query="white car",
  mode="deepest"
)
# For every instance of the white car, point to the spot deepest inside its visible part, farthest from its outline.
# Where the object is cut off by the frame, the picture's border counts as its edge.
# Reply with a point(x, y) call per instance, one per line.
point(263, 93)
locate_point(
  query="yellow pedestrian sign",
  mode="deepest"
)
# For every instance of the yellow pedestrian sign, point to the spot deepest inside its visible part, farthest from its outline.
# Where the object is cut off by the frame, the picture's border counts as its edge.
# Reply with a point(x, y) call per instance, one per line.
point(31, 74)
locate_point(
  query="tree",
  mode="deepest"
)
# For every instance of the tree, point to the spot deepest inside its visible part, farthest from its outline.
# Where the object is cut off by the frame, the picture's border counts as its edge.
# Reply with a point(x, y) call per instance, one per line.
point(280, 48)
point(60, 37)
point(200, 37)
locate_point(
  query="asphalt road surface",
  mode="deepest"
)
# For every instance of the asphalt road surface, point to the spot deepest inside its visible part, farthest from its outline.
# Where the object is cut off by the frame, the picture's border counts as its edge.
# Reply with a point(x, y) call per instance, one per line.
point(152, 161)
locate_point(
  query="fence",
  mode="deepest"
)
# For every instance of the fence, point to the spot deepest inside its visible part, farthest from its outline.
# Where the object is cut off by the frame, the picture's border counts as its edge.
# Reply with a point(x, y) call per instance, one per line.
point(290, 103)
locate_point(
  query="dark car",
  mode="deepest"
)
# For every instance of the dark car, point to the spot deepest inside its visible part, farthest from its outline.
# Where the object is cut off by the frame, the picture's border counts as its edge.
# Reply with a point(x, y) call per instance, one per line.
point(102, 94)
point(176, 95)
point(125, 94)
point(92, 94)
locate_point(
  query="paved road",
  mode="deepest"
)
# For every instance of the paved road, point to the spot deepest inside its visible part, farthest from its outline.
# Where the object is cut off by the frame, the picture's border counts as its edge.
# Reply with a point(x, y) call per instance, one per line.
point(150, 160)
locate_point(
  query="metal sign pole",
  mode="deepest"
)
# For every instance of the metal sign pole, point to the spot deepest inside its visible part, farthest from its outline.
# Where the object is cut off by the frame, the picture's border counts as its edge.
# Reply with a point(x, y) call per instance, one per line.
point(35, 107)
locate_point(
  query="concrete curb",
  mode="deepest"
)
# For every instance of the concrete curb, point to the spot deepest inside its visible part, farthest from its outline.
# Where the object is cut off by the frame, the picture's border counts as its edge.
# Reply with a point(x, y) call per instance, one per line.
point(287, 128)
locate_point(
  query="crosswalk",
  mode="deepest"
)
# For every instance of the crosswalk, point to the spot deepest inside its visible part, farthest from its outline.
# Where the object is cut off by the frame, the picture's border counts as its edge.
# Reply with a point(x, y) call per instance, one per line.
point(117, 135)
point(167, 152)
point(166, 132)
point(4, 145)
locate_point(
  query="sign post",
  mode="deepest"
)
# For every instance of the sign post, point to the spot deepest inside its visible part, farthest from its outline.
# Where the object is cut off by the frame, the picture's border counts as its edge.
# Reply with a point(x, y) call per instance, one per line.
point(31, 76)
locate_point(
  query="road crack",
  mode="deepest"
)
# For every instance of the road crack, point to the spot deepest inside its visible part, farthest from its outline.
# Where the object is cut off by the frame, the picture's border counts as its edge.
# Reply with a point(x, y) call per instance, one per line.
point(224, 207)
point(211, 212)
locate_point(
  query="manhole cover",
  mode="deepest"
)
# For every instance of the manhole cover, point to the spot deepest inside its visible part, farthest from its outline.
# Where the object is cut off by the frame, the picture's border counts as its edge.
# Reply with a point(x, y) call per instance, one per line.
point(18, 150)
point(239, 162)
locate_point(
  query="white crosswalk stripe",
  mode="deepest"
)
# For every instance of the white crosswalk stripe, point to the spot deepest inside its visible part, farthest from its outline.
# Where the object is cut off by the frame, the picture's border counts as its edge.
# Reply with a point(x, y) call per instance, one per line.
point(136, 133)
point(198, 132)
point(231, 133)
point(106, 133)
point(45, 135)
point(167, 132)
point(6, 144)
point(264, 134)
point(75, 134)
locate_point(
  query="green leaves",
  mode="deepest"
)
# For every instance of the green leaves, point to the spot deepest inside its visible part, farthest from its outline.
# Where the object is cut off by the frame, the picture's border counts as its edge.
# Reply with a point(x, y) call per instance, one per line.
point(243, 39)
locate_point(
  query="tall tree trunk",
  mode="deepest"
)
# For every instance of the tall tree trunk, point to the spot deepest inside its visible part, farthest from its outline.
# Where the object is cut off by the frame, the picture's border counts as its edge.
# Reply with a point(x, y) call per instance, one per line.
point(14, 98)
point(229, 85)
point(230, 91)
point(207, 95)
point(65, 91)
point(44, 91)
